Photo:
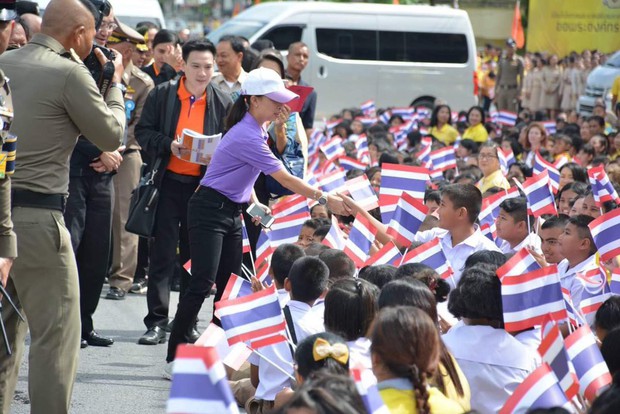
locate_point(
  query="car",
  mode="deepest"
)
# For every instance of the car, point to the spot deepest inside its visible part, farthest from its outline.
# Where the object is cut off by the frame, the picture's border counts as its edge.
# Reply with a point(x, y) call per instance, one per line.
point(598, 85)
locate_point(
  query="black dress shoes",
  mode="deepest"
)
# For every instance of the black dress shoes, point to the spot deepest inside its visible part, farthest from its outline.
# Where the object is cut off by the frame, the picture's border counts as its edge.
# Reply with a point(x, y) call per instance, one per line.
point(115, 294)
point(83, 343)
point(153, 336)
point(94, 339)
point(193, 335)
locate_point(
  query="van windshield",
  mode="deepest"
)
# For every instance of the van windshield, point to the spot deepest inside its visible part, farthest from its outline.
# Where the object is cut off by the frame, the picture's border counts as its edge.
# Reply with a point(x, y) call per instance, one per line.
point(614, 60)
point(245, 28)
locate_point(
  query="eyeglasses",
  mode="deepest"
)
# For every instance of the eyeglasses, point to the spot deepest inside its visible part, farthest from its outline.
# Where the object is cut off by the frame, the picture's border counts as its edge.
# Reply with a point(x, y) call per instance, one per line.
point(108, 26)
point(486, 156)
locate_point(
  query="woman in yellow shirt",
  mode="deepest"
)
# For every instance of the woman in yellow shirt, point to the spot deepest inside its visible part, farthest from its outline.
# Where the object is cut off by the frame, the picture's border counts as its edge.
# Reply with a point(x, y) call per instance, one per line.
point(405, 352)
point(441, 125)
point(476, 131)
point(488, 162)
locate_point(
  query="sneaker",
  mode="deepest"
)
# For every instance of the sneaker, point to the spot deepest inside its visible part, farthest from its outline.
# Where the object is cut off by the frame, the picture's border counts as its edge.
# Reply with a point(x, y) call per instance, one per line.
point(167, 374)
point(138, 287)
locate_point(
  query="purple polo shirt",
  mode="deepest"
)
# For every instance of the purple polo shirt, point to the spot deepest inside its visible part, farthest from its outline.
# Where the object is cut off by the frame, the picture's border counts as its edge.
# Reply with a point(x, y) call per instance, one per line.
point(238, 160)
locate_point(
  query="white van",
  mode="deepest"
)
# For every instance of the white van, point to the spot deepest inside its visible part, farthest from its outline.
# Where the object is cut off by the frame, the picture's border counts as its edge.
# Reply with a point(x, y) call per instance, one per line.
point(396, 55)
point(598, 85)
point(131, 12)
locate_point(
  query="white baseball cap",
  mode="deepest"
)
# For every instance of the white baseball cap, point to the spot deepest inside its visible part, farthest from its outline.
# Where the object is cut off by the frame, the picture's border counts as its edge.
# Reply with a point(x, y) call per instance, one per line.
point(266, 82)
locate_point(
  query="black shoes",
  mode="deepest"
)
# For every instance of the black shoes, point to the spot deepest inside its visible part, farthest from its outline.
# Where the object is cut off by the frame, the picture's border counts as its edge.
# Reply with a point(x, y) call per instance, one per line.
point(153, 336)
point(115, 294)
point(94, 339)
point(139, 286)
point(193, 335)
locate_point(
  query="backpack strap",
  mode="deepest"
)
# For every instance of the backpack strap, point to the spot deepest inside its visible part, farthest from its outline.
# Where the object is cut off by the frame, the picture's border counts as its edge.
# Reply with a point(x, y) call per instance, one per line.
point(291, 328)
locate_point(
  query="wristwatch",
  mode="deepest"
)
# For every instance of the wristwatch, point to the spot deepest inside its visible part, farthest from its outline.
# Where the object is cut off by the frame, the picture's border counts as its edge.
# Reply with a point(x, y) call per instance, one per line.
point(323, 199)
point(120, 86)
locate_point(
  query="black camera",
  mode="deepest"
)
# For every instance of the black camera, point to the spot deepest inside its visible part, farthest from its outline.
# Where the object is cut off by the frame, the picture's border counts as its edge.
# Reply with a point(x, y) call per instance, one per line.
point(102, 74)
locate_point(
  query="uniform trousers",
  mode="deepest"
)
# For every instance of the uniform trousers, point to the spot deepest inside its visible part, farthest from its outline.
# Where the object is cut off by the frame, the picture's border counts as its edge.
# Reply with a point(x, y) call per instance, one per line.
point(44, 285)
point(506, 99)
point(124, 244)
point(89, 221)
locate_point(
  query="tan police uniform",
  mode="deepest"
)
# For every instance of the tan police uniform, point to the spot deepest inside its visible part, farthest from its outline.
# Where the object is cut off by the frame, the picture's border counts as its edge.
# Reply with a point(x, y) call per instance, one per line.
point(509, 82)
point(125, 244)
point(55, 100)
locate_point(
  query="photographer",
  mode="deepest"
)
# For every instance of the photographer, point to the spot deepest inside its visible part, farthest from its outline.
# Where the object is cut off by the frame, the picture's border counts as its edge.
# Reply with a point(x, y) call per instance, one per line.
point(55, 100)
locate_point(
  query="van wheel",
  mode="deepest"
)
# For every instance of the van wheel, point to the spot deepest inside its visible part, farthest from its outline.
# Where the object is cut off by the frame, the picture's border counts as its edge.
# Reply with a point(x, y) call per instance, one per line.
point(425, 101)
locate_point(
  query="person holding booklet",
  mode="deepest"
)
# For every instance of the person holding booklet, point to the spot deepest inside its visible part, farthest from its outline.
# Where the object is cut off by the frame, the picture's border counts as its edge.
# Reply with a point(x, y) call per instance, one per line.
point(214, 211)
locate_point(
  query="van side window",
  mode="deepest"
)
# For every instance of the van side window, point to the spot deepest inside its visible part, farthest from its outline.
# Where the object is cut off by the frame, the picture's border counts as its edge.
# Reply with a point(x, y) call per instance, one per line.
point(347, 44)
point(423, 47)
point(283, 36)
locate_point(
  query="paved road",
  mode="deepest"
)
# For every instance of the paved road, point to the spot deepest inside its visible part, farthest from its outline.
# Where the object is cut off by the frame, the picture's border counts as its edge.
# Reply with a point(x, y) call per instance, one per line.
point(124, 378)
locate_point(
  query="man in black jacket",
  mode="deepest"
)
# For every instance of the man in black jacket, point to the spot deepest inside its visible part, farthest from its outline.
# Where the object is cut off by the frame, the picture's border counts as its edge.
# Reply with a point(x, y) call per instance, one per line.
point(189, 102)
point(165, 51)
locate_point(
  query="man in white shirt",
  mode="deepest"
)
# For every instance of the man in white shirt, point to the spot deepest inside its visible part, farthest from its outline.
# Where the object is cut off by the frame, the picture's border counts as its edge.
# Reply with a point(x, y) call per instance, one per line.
point(458, 234)
point(513, 227)
point(228, 58)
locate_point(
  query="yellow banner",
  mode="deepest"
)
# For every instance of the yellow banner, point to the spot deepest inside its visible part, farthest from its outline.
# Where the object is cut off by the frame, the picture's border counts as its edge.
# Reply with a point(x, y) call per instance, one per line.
point(563, 26)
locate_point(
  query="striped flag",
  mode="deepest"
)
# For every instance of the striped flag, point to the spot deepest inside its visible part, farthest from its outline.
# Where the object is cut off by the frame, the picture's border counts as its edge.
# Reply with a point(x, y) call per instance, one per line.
point(361, 146)
point(540, 165)
point(367, 388)
point(290, 205)
point(385, 117)
point(236, 287)
point(362, 192)
point(553, 352)
point(331, 125)
point(443, 159)
point(614, 282)
point(571, 311)
point(389, 254)
point(317, 138)
point(595, 292)
point(406, 220)
point(252, 317)
point(589, 364)
point(605, 230)
point(506, 159)
point(539, 390)
point(602, 188)
point(351, 164)
point(424, 155)
point(287, 229)
point(431, 254)
point(489, 230)
point(263, 256)
point(334, 238)
point(550, 127)
point(561, 160)
point(405, 113)
point(507, 118)
point(396, 178)
point(367, 120)
point(490, 205)
point(540, 200)
point(361, 238)
point(520, 263)
point(333, 181)
point(368, 108)
point(232, 356)
point(332, 148)
point(423, 112)
point(528, 298)
point(245, 240)
point(199, 383)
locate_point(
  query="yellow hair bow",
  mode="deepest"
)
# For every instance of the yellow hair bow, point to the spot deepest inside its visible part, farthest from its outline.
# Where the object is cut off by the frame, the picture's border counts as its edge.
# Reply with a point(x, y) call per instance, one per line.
point(323, 349)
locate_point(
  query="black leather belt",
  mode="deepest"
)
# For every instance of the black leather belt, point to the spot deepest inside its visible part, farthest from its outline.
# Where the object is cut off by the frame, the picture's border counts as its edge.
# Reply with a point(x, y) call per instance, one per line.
point(27, 198)
point(215, 195)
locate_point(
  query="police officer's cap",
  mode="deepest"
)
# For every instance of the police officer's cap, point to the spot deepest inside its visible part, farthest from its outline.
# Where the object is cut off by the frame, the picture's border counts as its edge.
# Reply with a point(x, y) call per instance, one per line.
point(7, 10)
point(510, 42)
point(124, 33)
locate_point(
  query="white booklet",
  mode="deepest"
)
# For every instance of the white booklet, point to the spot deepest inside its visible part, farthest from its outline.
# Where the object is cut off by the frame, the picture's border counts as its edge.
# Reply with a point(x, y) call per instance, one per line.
point(200, 148)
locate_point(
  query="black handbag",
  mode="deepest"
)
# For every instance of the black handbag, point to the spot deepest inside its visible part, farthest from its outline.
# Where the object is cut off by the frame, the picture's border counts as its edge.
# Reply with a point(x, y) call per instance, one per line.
point(143, 205)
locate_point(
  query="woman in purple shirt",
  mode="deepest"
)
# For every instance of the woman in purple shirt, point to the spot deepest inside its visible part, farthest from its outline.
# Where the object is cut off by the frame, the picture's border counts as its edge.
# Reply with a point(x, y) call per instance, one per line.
point(214, 210)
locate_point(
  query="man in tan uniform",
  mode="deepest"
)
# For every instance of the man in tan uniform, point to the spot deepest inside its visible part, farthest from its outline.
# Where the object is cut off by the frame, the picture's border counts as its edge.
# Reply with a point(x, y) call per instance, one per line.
point(124, 244)
point(509, 80)
point(55, 99)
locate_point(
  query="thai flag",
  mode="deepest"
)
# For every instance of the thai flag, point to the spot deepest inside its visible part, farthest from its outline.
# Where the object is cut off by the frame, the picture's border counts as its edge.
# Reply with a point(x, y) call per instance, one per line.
point(333, 181)
point(385, 117)
point(389, 254)
point(236, 287)
point(232, 356)
point(367, 389)
point(245, 240)
point(396, 179)
point(432, 255)
point(423, 112)
point(405, 113)
point(489, 230)
point(367, 120)
point(443, 159)
point(361, 238)
point(506, 159)
point(614, 282)
point(361, 146)
point(290, 205)
point(490, 204)
point(264, 251)
point(406, 220)
point(362, 192)
point(528, 298)
point(507, 118)
point(520, 263)
point(252, 317)
point(493, 117)
point(424, 155)
point(313, 164)
point(595, 292)
point(602, 188)
point(550, 127)
point(553, 352)
point(334, 238)
point(317, 138)
point(605, 230)
point(571, 311)
point(351, 164)
point(455, 116)
point(368, 108)
point(539, 390)
point(540, 165)
point(287, 229)
point(332, 124)
point(328, 167)
point(590, 367)
point(199, 383)
point(540, 200)
point(332, 148)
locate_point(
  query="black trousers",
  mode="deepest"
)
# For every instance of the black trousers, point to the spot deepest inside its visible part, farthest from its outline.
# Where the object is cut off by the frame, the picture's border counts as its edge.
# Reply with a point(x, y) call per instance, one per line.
point(215, 244)
point(170, 232)
point(88, 217)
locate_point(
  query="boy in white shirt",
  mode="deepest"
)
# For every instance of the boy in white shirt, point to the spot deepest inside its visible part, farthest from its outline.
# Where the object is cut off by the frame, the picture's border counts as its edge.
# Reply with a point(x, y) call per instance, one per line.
point(513, 228)
point(550, 233)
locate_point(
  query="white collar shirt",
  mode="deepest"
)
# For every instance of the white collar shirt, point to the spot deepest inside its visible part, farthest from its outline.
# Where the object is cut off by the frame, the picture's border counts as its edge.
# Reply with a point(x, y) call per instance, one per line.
point(569, 279)
point(531, 241)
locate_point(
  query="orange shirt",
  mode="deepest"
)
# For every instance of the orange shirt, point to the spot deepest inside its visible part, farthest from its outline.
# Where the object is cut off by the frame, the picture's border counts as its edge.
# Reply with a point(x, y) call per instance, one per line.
point(155, 69)
point(192, 116)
